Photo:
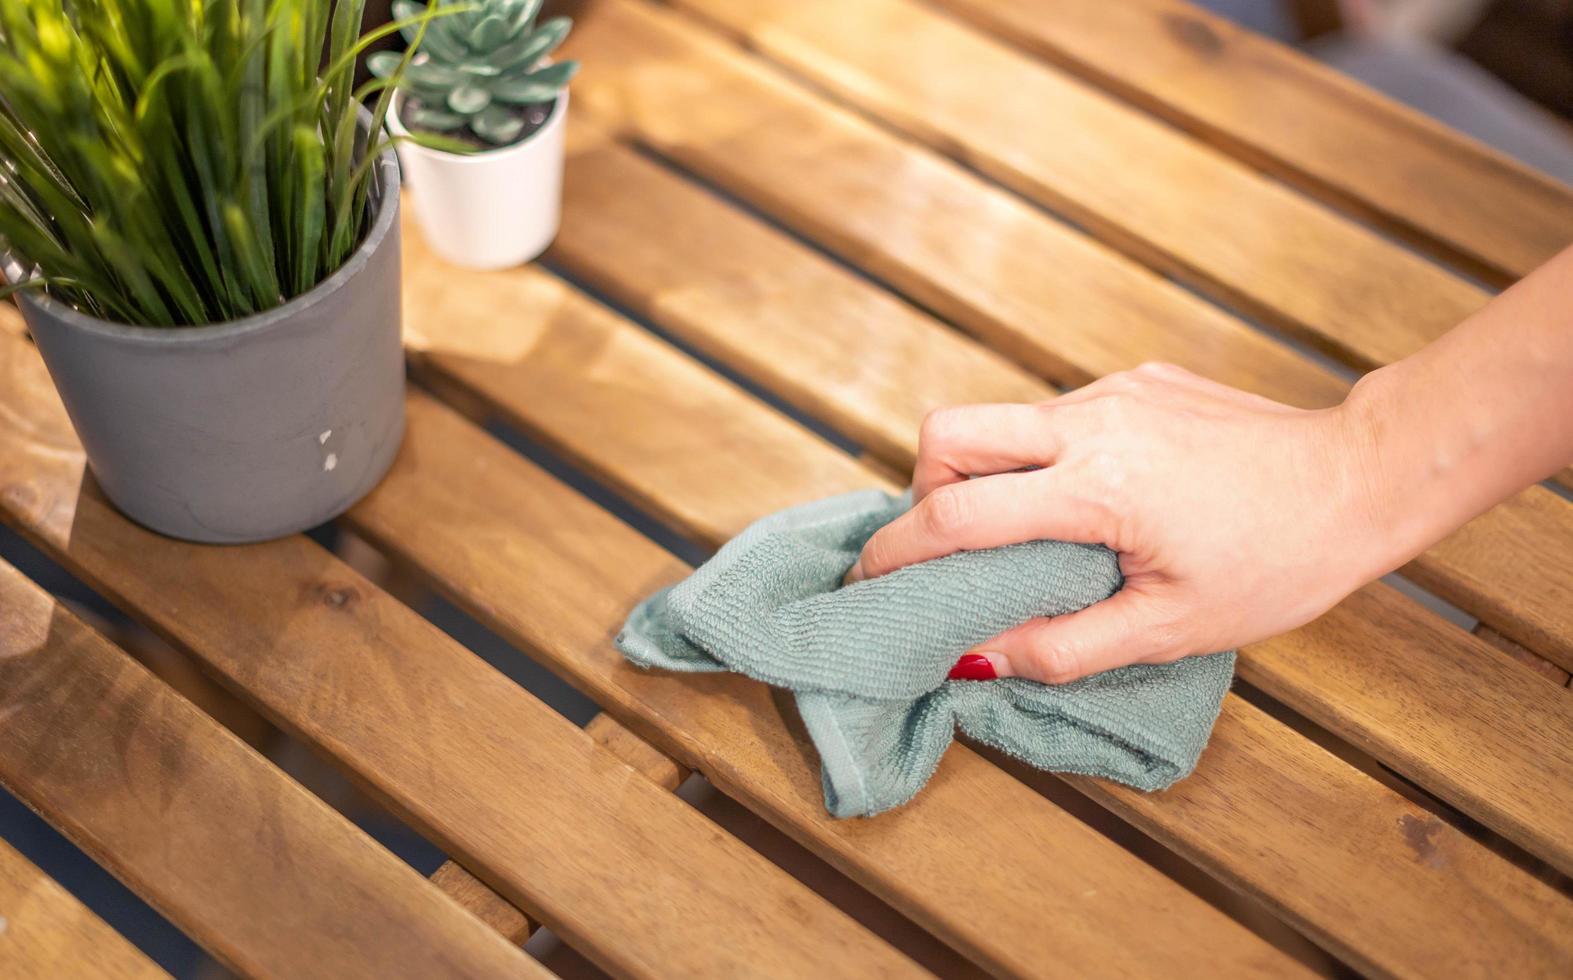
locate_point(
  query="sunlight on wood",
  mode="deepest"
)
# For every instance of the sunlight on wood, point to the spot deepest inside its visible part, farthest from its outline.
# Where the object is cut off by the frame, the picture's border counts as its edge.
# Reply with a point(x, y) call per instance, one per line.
point(478, 327)
point(11, 321)
point(25, 620)
point(33, 441)
point(47, 932)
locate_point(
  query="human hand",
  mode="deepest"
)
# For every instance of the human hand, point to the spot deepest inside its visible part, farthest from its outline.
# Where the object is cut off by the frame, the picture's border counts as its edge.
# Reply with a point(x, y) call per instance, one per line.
point(1235, 517)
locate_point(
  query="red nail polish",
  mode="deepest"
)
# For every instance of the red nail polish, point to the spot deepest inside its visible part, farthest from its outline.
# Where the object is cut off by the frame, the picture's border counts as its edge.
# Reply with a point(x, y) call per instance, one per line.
point(972, 667)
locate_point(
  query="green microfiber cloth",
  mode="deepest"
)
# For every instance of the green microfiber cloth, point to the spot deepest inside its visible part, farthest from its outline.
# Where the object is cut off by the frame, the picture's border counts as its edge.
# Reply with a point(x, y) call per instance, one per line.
point(868, 662)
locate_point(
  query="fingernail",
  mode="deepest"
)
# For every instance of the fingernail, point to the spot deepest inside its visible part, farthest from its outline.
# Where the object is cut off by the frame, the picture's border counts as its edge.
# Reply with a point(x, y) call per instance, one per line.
point(854, 574)
point(972, 667)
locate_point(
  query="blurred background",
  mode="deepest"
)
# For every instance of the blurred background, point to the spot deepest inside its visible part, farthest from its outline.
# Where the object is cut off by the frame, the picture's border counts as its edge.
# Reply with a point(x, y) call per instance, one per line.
point(1499, 70)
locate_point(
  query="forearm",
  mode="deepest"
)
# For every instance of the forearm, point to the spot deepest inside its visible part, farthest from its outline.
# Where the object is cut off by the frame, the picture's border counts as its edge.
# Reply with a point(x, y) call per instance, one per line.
point(1475, 417)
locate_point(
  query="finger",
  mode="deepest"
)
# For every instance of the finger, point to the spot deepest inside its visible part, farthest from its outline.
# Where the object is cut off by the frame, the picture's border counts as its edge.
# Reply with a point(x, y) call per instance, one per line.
point(986, 513)
point(978, 440)
point(1123, 629)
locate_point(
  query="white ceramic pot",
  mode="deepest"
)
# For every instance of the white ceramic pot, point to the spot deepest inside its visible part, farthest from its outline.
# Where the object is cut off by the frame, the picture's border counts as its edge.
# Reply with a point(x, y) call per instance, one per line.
point(488, 210)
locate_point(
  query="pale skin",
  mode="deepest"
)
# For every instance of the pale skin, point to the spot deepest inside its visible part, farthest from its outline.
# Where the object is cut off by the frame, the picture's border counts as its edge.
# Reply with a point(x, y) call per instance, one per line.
point(1235, 517)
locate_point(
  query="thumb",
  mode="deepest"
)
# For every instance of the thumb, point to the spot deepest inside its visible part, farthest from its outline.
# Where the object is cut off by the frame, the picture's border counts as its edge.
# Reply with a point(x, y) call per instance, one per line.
point(1123, 629)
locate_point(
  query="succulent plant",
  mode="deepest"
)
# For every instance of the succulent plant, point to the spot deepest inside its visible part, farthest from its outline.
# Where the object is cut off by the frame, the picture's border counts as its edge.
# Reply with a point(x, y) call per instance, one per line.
point(478, 72)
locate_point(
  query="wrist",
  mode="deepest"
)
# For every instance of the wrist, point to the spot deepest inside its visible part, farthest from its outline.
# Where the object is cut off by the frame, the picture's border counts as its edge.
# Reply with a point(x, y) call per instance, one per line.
point(1371, 475)
point(1400, 480)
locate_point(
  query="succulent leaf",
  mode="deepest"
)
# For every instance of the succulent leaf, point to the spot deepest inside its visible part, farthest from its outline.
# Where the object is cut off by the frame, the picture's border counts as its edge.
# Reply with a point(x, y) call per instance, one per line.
point(534, 46)
point(436, 43)
point(490, 33)
point(528, 9)
point(519, 91)
point(383, 63)
point(496, 125)
point(451, 32)
point(513, 10)
point(468, 99)
point(554, 75)
point(476, 65)
point(437, 120)
point(430, 74)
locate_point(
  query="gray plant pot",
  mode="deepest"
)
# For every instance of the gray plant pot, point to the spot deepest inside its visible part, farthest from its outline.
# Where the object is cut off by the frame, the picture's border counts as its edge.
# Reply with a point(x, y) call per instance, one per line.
point(251, 429)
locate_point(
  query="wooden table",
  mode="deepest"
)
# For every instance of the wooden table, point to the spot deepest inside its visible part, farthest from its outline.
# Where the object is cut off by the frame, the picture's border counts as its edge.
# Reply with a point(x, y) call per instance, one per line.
point(791, 228)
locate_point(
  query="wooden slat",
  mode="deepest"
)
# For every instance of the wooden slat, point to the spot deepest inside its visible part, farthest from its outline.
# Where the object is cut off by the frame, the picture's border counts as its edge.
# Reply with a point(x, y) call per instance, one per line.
point(1036, 291)
point(1533, 661)
point(725, 727)
point(615, 200)
point(479, 900)
point(496, 911)
point(45, 933)
point(563, 593)
point(646, 759)
point(1302, 122)
point(261, 873)
point(1150, 191)
point(945, 369)
point(617, 866)
point(1366, 864)
point(1385, 846)
point(1041, 292)
point(1513, 569)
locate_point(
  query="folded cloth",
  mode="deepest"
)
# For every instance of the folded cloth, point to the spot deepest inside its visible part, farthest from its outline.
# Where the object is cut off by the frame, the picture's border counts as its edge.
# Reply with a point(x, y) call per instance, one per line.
point(868, 662)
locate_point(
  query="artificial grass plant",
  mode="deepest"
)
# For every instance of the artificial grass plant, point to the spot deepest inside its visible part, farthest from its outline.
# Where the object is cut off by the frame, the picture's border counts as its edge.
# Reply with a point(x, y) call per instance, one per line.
point(182, 162)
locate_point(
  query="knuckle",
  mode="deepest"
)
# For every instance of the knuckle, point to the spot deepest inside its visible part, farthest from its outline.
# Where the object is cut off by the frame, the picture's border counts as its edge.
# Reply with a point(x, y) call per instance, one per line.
point(1159, 369)
point(1116, 414)
point(1122, 382)
point(1056, 664)
point(940, 428)
point(946, 512)
point(876, 554)
point(1166, 641)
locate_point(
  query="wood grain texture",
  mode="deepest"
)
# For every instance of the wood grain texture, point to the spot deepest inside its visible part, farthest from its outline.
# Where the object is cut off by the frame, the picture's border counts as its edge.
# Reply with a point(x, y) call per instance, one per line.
point(619, 867)
point(930, 229)
point(1458, 927)
point(1512, 568)
point(1039, 291)
point(557, 576)
point(1440, 706)
point(259, 872)
point(615, 197)
point(816, 334)
point(646, 759)
point(45, 933)
point(479, 900)
point(1152, 192)
point(1369, 871)
point(496, 911)
point(1533, 661)
point(1302, 122)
